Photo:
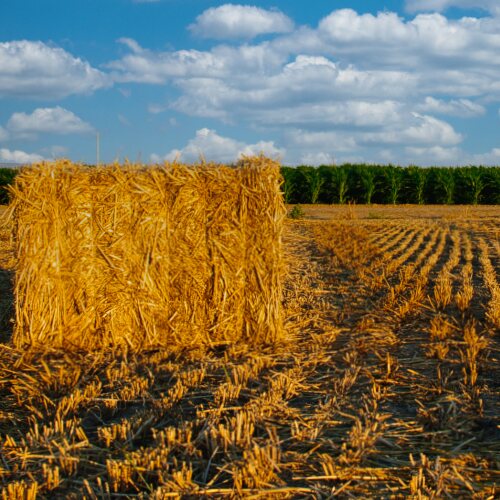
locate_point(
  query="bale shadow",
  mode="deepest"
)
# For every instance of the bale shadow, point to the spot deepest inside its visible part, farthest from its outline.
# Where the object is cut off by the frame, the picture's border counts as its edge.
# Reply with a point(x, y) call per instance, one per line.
point(6, 304)
point(7, 265)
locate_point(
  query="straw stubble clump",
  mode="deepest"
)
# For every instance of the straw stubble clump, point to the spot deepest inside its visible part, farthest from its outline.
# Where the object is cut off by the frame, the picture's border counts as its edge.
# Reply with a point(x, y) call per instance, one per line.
point(145, 257)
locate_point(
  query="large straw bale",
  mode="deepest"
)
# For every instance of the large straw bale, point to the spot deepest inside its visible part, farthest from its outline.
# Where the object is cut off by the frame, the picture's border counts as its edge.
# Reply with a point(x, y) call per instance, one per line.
point(148, 257)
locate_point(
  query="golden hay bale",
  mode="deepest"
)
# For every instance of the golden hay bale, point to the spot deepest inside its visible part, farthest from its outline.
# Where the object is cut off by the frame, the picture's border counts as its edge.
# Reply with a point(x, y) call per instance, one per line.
point(148, 257)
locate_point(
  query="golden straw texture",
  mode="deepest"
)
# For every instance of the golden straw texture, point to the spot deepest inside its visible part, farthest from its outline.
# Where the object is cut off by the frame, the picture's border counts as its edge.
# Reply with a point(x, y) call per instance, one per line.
point(146, 257)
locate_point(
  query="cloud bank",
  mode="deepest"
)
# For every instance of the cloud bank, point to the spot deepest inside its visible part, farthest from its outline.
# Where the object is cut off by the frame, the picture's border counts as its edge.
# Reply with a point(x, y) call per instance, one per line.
point(239, 22)
point(17, 156)
point(378, 87)
point(209, 145)
point(441, 5)
point(48, 121)
point(36, 70)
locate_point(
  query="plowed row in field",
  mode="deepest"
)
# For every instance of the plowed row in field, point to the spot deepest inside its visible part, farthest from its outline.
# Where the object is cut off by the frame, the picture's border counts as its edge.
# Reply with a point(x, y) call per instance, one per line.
point(388, 385)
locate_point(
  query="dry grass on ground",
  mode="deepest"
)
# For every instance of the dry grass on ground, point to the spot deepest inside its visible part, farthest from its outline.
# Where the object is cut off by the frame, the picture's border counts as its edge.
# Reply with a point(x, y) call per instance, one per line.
point(387, 388)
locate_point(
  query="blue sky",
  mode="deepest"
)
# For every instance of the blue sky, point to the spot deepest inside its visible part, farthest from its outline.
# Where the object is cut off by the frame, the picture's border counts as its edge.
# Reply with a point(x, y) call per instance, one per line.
point(309, 82)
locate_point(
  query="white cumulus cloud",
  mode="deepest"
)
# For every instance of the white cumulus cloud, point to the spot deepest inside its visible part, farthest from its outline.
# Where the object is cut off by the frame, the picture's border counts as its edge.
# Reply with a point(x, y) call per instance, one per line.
point(420, 129)
point(146, 66)
point(436, 155)
point(36, 70)
point(490, 158)
point(356, 113)
point(454, 107)
point(17, 156)
point(211, 146)
point(347, 26)
point(410, 135)
point(325, 140)
point(388, 40)
point(440, 5)
point(319, 147)
point(239, 21)
point(55, 120)
point(316, 159)
point(307, 90)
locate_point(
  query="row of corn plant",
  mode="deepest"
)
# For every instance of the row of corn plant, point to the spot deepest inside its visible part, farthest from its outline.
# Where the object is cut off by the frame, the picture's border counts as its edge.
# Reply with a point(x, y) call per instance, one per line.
point(368, 184)
point(389, 184)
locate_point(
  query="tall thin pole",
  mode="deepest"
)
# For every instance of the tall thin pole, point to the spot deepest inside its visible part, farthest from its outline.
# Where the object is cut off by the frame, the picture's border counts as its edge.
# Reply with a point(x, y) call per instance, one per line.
point(97, 148)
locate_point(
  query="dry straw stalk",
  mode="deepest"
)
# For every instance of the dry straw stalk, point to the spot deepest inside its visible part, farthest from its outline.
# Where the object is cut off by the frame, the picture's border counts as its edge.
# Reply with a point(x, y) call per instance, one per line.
point(151, 257)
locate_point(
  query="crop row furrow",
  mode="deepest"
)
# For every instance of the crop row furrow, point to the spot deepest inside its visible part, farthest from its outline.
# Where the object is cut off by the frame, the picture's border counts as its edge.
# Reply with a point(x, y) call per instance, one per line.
point(392, 245)
point(490, 279)
point(443, 285)
point(464, 295)
point(384, 236)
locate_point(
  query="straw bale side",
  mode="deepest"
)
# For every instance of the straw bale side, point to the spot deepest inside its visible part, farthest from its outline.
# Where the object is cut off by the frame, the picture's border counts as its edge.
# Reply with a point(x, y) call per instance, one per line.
point(148, 257)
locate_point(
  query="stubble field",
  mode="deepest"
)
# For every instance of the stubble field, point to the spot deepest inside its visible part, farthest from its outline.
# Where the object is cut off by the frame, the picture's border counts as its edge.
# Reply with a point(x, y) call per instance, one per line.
point(387, 387)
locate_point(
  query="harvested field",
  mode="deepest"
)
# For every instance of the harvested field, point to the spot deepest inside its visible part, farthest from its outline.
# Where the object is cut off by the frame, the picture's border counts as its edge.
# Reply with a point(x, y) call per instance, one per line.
point(387, 386)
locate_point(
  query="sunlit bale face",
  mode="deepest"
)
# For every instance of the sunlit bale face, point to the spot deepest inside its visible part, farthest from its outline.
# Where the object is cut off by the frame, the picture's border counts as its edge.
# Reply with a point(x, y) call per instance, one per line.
point(142, 257)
